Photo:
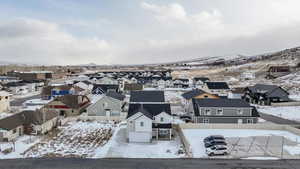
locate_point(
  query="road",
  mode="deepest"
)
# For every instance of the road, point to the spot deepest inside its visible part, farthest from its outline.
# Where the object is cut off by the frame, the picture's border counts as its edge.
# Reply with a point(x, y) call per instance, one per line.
point(20, 101)
point(278, 120)
point(74, 163)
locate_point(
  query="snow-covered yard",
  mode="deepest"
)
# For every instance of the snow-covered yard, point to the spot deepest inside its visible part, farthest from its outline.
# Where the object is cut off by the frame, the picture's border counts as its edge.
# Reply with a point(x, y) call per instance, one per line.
point(21, 145)
point(245, 137)
point(120, 148)
point(79, 139)
point(286, 112)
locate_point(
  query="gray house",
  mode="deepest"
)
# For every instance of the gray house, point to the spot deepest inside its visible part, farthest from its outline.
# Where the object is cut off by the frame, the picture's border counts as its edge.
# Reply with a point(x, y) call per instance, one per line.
point(108, 107)
point(223, 111)
point(265, 94)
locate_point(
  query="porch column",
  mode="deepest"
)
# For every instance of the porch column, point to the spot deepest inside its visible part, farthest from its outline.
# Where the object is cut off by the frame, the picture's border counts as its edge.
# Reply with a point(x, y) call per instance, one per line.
point(170, 133)
point(157, 133)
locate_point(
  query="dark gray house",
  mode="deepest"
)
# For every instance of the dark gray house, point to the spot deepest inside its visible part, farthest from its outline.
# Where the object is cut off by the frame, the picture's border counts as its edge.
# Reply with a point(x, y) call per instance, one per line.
point(265, 94)
point(223, 111)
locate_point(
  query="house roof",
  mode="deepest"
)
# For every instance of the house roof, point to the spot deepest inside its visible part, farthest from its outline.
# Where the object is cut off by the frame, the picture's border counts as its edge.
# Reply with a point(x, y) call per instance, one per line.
point(115, 95)
point(27, 117)
point(133, 86)
point(72, 101)
point(203, 79)
point(217, 85)
point(193, 93)
point(147, 96)
point(162, 125)
point(221, 103)
point(103, 88)
point(149, 110)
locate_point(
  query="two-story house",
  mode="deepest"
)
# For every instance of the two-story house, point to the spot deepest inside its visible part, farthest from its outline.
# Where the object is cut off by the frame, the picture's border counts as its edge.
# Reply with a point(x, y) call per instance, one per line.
point(149, 116)
point(223, 111)
point(199, 82)
point(217, 88)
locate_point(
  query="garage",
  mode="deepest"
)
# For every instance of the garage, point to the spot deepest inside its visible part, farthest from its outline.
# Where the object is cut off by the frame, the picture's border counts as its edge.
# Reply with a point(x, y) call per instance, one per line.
point(140, 137)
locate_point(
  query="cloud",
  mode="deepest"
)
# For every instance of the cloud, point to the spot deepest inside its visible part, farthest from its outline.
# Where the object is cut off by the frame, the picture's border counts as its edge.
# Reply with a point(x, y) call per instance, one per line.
point(35, 41)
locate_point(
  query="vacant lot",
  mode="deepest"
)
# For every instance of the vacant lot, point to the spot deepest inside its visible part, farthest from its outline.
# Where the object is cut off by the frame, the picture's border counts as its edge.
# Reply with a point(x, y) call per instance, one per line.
point(76, 139)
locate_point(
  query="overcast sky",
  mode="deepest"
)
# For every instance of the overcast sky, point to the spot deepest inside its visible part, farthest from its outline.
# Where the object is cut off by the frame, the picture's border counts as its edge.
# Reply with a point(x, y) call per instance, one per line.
point(64, 32)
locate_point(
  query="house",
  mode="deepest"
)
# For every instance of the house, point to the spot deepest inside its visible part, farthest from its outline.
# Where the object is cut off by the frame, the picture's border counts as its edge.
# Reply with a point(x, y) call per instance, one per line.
point(107, 80)
point(147, 121)
point(86, 85)
point(265, 94)
point(277, 71)
point(128, 87)
point(108, 107)
point(148, 116)
point(218, 88)
point(50, 92)
point(223, 111)
point(200, 81)
point(196, 94)
point(147, 96)
point(99, 89)
point(4, 101)
point(181, 83)
point(236, 93)
point(69, 105)
point(35, 75)
point(28, 122)
point(248, 75)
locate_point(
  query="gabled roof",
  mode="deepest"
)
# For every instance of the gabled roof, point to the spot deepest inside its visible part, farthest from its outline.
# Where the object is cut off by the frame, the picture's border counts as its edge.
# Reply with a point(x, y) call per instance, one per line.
point(26, 118)
point(103, 88)
point(115, 95)
point(221, 103)
point(217, 85)
point(149, 110)
point(193, 93)
point(72, 101)
point(263, 88)
point(147, 96)
point(133, 86)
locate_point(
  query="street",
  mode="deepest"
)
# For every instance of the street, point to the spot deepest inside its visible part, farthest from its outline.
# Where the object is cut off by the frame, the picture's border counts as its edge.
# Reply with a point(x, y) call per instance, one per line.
point(278, 120)
point(76, 163)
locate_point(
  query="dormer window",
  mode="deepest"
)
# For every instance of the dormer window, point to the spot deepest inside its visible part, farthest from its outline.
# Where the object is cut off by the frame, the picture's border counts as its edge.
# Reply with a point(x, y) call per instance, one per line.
point(161, 119)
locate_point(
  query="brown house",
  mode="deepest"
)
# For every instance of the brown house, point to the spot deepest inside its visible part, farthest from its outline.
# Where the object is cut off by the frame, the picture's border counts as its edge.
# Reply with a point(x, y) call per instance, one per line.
point(69, 105)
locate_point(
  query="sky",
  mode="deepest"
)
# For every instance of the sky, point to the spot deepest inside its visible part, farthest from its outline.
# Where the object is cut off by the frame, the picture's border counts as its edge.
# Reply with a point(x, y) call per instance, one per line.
point(71, 32)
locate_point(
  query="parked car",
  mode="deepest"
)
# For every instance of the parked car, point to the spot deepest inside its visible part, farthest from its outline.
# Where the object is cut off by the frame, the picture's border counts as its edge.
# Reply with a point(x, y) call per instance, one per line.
point(214, 138)
point(216, 143)
point(216, 150)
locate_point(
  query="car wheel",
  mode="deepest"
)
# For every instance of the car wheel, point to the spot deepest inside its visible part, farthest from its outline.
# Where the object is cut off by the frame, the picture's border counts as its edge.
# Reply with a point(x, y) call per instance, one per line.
point(210, 154)
point(225, 153)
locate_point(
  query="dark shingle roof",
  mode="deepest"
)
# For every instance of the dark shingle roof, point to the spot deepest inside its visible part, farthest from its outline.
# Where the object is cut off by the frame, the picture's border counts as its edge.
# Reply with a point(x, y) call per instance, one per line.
point(193, 93)
point(147, 96)
point(217, 85)
point(221, 103)
point(115, 95)
point(203, 79)
point(149, 110)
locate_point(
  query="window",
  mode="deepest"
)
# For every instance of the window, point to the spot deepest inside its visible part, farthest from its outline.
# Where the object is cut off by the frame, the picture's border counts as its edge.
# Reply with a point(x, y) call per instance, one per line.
point(205, 120)
point(6, 97)
point(161, 119)
point(142, 124)
point(220, 112)
point(207, 112)
point(14, 131)
point(205, 96)
point(249, 121)
point(239, 111)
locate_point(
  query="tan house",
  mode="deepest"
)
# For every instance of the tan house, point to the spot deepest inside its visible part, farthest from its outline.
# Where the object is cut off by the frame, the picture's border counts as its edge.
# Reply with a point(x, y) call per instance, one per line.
point(4, 101)
point(69, 105)
point(28, 122)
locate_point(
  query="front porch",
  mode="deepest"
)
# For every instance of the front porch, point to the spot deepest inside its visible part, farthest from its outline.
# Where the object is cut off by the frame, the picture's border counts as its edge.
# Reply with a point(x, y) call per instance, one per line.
point(162, 131)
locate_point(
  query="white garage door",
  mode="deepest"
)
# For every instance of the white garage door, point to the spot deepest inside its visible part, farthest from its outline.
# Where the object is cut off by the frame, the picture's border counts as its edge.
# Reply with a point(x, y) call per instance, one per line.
point(140, 137)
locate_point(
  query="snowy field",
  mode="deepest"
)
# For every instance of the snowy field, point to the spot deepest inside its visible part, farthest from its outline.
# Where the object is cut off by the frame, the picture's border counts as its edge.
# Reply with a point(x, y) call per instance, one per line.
point(286, 112)
point(120, 148)
point(252, 141)
point(77, 139)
